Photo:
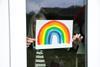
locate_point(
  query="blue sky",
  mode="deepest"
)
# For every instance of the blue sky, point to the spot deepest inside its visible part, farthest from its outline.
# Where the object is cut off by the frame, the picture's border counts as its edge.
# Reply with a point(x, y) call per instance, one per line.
point(35, 5)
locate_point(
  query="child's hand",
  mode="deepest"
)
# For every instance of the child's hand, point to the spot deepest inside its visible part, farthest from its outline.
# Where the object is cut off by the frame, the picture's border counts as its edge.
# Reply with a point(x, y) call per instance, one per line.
point(77, 38)
point(29, 41)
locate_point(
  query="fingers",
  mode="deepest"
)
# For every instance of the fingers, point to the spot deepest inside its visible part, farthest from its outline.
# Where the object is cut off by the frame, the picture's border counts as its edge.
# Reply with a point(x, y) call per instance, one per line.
point(29, 41)
point(31, 38)
point(81, 37)
point(78, 37)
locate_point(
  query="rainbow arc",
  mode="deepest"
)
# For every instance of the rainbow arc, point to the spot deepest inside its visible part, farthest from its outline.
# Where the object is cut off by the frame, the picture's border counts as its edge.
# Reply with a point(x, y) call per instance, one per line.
point(51, 28)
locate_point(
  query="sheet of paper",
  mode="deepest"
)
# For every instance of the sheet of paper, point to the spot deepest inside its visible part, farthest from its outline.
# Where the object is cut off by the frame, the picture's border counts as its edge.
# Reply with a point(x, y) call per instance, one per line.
point(51, 34)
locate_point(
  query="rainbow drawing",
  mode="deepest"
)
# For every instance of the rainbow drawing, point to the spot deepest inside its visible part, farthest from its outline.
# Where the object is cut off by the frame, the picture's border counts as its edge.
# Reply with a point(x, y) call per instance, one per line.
point(51, 28)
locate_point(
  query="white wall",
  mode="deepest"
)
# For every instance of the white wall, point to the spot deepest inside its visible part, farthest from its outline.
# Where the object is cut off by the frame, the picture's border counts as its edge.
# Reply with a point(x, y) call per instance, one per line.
point(94, 33)
point(4, 34)
point(18, 33)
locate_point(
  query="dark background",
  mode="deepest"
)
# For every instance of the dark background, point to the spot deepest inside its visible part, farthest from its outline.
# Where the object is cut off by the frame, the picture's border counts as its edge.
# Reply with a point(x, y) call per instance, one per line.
point(75, 13)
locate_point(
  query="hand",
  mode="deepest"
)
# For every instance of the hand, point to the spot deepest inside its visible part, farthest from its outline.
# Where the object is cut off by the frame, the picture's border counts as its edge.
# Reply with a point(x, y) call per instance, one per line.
point(77, 38)
point(29, 41)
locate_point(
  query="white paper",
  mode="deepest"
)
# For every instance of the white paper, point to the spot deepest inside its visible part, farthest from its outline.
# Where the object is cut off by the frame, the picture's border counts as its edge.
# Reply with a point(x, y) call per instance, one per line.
point(54, 44)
